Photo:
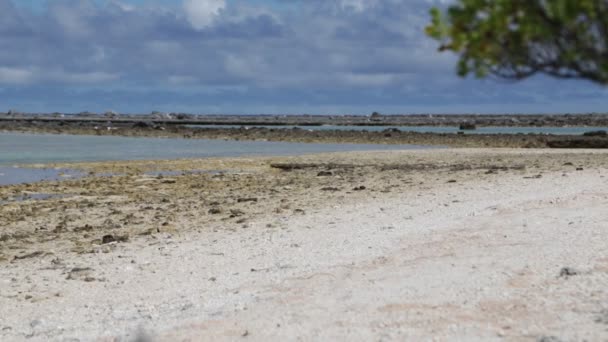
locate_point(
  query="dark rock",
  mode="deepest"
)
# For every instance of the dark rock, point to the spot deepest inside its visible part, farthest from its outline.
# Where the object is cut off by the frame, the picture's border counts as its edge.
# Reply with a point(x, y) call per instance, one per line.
point(215, 211)
point(596, 134)
point(141, 124)
point(376, 116)
point(548, 339)
point(113, 238)
point(360, 188)
point(594, 142)
point(329, 188)
point(392, 130)
point(567, 272)
point(325, 173)
point(468, 126)
point(183, 116)
point(250, 199)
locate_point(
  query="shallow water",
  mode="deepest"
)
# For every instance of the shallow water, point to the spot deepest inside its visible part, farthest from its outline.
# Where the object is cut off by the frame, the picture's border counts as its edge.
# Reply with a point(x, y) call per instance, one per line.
point(433, 129)
point(18, 175)
point(16, 148)
point(23, 149)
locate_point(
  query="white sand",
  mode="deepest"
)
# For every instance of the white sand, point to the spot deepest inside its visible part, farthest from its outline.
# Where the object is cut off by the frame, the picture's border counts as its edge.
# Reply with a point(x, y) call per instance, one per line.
point(466, 261)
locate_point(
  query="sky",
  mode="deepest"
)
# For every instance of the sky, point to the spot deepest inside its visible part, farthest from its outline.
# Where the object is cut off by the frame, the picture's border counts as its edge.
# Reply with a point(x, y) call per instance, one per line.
point(250, 57)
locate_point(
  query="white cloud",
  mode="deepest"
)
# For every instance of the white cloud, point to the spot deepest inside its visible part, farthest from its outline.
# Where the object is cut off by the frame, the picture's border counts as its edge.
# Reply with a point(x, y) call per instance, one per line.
point(202, 13)
point(357, 5)
point(15, 75)
point(181, 80)
point(79, 78)
point(370, 80)
point(23, 76)
point(123, 6)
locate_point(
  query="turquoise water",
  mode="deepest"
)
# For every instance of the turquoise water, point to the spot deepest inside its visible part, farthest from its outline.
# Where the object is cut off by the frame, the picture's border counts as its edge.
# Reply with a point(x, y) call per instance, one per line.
point(434, 129)
point(18, 148)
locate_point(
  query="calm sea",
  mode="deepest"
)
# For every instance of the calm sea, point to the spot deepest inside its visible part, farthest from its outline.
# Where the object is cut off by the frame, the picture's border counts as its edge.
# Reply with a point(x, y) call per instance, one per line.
point(16, 148)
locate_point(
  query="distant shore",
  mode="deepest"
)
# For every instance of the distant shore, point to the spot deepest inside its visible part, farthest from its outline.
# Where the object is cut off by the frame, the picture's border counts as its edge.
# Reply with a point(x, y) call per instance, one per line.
point(375, 119)
point(174, 127)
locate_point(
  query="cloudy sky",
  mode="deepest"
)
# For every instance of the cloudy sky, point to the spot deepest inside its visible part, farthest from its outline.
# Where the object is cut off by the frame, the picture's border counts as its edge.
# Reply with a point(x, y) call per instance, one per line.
point(249, 56)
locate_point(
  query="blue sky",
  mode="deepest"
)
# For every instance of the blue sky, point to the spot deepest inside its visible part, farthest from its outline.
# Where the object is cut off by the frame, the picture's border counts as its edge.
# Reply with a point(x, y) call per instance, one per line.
point(250, 56)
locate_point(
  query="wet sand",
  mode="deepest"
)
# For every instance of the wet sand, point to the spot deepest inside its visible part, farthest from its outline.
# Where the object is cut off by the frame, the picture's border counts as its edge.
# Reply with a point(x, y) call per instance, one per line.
point(477, 244)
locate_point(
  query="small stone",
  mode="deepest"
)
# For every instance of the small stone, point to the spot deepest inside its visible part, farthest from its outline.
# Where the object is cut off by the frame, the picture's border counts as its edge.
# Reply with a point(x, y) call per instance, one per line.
point(325, 174)
point(567, 272)
point(215, 211)
point(107, 239)
point(251, 199)
point(28, 255)
point(602, 317)
point(236, 213)
point(548, 339)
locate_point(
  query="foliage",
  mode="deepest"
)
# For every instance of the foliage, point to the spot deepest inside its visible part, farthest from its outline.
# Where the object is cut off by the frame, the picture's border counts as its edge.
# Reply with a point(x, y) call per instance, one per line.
point(515, 39)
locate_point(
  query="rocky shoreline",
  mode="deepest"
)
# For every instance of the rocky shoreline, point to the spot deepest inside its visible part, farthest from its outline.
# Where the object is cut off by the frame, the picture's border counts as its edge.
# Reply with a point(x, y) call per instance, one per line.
point(375, 119)
point(225, 191)
point(389, 136)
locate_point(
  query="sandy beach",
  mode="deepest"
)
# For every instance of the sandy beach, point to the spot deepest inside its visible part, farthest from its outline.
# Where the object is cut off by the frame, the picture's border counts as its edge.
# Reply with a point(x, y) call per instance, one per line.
point(447, 244)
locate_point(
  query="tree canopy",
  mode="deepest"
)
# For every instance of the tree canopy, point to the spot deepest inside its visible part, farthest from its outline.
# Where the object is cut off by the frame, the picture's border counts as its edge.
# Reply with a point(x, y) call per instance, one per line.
point(515, 39)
